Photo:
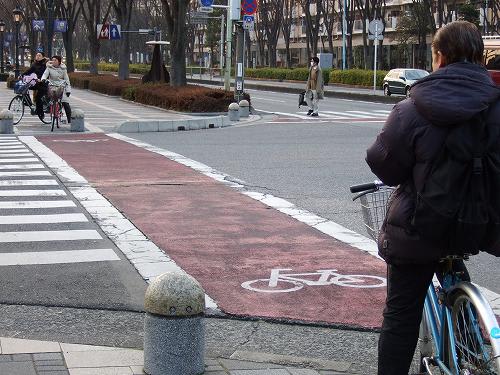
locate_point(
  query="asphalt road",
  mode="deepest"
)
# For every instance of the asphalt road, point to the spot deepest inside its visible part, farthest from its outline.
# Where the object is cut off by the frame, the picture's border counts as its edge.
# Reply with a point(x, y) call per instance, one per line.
point(310, 162)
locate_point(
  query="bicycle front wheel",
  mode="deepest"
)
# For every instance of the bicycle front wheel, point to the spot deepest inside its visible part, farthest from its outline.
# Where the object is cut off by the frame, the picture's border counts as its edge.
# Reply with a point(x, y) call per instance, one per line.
point(476, 332)
point(16, 106)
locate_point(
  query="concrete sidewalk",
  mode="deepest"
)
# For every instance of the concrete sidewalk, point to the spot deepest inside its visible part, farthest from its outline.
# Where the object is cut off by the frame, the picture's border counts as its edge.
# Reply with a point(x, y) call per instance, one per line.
point(29, 357)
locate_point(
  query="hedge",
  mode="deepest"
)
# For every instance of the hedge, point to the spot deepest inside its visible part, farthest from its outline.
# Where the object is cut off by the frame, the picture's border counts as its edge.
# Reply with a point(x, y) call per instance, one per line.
point(357, 77)
point(185, 99)
point(297, 74)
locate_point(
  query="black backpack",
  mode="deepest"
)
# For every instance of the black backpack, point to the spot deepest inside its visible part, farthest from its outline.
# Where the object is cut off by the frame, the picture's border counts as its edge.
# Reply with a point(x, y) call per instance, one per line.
point(458, 207)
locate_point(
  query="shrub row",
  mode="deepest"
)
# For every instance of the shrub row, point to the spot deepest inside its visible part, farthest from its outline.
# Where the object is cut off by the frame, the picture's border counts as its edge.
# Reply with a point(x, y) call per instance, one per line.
point(357, 77)
point(185, 99)
point(297, 74)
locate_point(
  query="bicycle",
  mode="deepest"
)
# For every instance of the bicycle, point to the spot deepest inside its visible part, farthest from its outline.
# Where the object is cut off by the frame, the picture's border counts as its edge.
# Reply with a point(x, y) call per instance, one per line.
point(55, 93)
point(459, 333)
point(280, 282)
point(23, 99)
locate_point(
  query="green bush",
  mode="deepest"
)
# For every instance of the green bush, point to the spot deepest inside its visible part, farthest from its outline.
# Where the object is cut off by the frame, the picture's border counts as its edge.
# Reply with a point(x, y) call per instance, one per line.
point(128, 93)
point(297, 74)
point(357, 77)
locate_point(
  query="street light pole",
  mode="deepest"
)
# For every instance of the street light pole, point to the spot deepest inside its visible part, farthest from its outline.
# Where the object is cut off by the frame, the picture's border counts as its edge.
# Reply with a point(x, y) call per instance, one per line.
point(17, 20)
point(229, 39)
point(2, 29)
point(344, 32)
point(50, 26)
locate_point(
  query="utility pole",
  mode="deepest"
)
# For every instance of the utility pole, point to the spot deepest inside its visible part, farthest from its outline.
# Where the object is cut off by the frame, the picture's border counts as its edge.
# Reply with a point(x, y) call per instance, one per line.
point(240, 62)
point(221, 47)
point(229, 39)
point(344, 32)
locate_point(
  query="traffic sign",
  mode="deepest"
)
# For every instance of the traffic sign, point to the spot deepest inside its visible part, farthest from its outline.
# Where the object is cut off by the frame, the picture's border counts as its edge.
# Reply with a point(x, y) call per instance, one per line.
point(248, 22)
point(376, 27)
point(205, 9)
point(249, 6)
point(206, 3)
point(60, 26)
point(115, 32)
point(378, 37)
point(103, 31)
point(38, 25)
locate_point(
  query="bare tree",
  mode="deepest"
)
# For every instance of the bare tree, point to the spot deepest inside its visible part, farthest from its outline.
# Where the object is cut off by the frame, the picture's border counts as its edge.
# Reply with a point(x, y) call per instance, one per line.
point(330, 21)
point(350, 16)
point(271, 14)
point(175, 15)
point(286, 27)
point(123, 9)
point(313, 10)
point(71, 12)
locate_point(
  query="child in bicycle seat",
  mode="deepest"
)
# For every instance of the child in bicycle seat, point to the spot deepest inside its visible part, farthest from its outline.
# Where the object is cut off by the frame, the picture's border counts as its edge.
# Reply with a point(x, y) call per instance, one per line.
point(458, 89)
point(38, 67)
point(57, 74)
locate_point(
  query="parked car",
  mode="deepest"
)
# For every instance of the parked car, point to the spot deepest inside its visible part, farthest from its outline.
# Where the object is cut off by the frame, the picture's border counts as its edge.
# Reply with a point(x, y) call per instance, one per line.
point(492, 56)
point(399, 81)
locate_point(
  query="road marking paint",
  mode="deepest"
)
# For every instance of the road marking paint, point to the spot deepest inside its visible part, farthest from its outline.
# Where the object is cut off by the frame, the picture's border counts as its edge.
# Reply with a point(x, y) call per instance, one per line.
point(291, 115)
point(43, 219)
point(370, 113)
point(345, 114)
point(35, 204)
point(25, 174)
point(58, 257)
point(20, 160)
point(49, 235)
point(47, 182)
point(13, 147)
point(31, 193)
point(22, 166)
point(8, 153)
point(107, 108)
point(382, 111)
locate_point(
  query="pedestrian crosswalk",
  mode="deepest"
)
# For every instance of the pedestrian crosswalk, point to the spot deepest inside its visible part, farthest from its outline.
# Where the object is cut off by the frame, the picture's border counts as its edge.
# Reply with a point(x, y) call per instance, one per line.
point(37, 214)
point(351, 115)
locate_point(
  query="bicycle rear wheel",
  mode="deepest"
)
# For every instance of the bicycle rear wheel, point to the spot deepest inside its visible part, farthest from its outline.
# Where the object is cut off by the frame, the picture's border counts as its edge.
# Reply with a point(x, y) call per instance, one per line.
point(476, 332)
point(16, 106)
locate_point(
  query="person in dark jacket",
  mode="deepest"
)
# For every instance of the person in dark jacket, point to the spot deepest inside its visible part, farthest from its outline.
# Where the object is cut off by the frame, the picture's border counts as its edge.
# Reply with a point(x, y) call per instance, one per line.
point(459, 88)
point(38, 67)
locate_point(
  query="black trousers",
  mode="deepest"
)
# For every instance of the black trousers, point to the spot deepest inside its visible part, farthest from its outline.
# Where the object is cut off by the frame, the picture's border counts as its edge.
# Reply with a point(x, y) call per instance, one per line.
point(41, 91)
point(67, 109)
point(406, 290)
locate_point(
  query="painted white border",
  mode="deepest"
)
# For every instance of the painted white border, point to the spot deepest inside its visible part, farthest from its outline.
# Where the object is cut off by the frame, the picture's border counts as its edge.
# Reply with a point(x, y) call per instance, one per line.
point(325, 226)
point(149, 260)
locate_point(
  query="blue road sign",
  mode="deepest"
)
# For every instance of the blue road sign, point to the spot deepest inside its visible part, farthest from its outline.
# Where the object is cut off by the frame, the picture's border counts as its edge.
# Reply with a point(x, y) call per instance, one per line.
point(247, 18)
point(114, 32)
point(60, 26)
point(206, 3)
point(38, 25)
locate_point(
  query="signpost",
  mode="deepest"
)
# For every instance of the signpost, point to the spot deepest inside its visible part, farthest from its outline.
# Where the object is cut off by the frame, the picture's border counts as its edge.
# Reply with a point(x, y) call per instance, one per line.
point(109, 31)
point(376, 29)
point(114, 32)
point(248, 22)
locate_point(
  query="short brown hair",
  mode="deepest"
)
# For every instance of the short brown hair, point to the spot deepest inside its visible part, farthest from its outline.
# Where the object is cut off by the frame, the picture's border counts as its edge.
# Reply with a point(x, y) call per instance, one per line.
point(459, 41)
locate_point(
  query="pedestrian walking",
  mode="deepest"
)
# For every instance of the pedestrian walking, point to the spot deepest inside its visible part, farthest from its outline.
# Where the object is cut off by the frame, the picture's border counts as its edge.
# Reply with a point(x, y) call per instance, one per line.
point(404, 153)
point(314, 87)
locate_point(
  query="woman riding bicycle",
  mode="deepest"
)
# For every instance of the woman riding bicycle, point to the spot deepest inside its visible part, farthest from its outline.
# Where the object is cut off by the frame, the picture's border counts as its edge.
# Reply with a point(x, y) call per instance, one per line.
point(38, 67)
point(458, 89)
point(57, 75)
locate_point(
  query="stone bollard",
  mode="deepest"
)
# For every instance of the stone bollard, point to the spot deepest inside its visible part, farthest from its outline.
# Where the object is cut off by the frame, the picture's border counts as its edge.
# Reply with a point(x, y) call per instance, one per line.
point(234, 112)
point(174, 334)
point(244, 108)
point(6, 122)
point(77, 121)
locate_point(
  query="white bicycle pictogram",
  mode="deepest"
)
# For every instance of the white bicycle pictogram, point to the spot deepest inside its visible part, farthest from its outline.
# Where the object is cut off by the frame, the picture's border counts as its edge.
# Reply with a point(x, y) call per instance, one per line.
point(280, 282)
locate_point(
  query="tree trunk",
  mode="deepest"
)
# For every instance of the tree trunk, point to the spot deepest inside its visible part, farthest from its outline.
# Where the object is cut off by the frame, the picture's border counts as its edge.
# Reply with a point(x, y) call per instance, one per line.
point(68, 45)
point(175, 13)
point(94, 58)
point(124, 12)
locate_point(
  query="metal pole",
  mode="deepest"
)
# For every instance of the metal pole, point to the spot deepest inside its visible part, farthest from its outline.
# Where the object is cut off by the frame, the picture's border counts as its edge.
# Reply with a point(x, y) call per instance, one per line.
point(2, 69)
point(50, 26)
point(344, 26)
point(16, 71)
point(221, 61)
point(229, 38)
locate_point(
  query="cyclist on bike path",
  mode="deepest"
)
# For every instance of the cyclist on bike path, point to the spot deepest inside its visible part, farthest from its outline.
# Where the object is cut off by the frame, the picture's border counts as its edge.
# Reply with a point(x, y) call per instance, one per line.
point(57, 74)
point(38, 67)
point(459, 88)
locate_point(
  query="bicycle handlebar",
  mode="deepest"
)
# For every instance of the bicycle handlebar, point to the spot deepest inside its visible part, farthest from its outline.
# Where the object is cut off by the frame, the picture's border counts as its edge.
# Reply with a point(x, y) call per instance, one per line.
point(366, 187)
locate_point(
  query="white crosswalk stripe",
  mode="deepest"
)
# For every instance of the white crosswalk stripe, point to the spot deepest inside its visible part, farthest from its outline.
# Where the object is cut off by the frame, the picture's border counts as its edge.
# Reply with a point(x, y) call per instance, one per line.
point(35, 208)
point(325, 114)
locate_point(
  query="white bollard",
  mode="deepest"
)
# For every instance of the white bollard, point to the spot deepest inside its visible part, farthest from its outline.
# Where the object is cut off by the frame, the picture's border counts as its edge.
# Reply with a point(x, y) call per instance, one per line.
point(6, 122)
point(77, 121)
point(174, 334)
point(234, 112)
point(244, 108)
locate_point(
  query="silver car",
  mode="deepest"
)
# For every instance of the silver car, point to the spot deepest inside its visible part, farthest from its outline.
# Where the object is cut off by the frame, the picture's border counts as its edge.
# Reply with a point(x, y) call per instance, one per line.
point(399, 81)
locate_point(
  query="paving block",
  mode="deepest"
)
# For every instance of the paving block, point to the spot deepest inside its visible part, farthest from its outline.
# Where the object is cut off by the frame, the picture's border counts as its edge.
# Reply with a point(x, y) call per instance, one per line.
point(148, 126)
point(102, 371)
point(13, 346)
point(231, 364)
point(260, 372)
point(17, 368)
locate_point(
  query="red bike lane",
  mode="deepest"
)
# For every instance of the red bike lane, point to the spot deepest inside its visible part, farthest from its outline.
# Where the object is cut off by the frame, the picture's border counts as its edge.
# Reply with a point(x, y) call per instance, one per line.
point(225, 239)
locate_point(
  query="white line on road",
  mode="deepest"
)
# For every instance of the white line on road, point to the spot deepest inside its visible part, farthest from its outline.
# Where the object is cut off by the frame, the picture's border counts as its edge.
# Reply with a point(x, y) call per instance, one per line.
point(20, 160)
point(46, 182)
point(32, 193)
point(9, 153)
point(269, 100)
point(57, 257)
point(382, 111)
point(22, 166)
point(107, 109)
point(49, 235)
point(371, 114)
point(36, 204)
point(25, 174)
point(43, 219)
point(345, 114)
point(12, 147)
point(303, 117)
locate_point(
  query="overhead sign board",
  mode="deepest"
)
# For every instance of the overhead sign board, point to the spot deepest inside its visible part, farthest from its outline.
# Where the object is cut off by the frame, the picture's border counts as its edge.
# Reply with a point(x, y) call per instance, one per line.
point(60, 26)
point(38, 25)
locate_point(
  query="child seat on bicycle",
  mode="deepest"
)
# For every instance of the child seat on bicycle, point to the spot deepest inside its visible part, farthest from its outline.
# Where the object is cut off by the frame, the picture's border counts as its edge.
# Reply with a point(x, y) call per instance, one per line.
point(458, 89)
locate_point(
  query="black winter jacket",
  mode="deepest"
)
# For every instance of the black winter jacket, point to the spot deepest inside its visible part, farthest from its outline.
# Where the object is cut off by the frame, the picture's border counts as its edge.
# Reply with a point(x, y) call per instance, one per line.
point(410, 139)
point(38, 67)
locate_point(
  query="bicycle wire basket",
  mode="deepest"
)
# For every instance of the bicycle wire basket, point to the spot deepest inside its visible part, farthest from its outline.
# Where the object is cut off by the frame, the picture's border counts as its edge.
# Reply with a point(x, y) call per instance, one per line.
point(21, 88)
point(55, 92)
point(374, 208)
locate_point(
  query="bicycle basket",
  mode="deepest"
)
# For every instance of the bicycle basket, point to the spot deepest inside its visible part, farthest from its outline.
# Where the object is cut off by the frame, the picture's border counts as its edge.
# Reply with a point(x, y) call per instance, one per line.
point(21, 88)
point(374, 207)
point(55, 92)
